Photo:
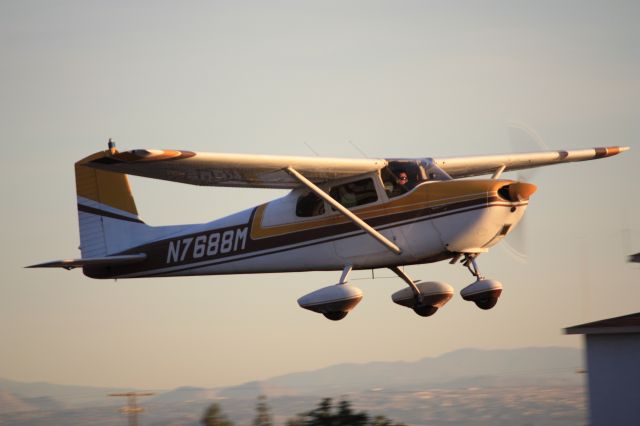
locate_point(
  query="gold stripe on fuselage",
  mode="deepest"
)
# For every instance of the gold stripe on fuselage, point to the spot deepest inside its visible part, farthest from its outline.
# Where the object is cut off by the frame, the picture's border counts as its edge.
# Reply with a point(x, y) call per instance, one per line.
point(432, 194)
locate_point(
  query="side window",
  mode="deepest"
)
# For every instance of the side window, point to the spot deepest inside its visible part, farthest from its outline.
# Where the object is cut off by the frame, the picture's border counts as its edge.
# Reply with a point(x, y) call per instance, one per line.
point(390, 182)
point(309, 205)
point(355, 193)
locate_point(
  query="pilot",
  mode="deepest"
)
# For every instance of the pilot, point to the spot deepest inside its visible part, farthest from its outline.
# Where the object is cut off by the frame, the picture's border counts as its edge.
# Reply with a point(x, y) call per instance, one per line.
point(401, 185)
point(403, 179)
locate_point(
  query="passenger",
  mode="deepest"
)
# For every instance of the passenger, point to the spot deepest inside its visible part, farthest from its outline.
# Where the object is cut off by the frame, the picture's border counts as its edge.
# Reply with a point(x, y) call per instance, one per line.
point(346, 197)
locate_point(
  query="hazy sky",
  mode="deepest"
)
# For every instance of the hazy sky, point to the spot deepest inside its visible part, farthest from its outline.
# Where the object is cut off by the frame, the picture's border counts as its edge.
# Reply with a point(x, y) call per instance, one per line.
point(413, 78)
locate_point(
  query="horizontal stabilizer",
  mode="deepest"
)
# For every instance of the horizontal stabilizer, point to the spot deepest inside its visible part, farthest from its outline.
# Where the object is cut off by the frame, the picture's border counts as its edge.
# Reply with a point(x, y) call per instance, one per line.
point(93, 261)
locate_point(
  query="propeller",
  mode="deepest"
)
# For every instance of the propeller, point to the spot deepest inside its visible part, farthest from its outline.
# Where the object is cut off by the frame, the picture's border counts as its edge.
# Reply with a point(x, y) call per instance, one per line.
point(522, 138)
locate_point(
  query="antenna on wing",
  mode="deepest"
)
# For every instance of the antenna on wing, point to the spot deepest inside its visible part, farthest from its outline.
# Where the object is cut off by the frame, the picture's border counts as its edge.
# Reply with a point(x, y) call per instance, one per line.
point(311, 149)
point(358, 149)
point(112, 146)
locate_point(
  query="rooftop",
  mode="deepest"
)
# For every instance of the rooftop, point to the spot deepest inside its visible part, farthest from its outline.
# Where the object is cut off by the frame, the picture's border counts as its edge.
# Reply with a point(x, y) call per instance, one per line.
point(624, 324)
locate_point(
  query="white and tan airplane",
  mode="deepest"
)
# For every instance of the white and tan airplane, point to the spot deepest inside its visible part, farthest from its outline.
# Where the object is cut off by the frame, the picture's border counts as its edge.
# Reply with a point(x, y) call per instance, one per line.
point(341, 214)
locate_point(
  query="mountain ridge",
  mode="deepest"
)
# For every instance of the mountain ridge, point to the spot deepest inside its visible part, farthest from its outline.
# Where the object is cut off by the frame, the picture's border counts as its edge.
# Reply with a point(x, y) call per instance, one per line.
point(460, 368)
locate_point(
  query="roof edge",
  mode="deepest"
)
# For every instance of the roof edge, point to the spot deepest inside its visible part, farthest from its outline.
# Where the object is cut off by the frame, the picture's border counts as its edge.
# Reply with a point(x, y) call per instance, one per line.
point(617, 325)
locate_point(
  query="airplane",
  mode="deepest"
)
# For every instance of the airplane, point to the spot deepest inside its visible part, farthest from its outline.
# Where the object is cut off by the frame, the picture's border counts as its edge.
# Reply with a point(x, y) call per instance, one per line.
point(340, 215)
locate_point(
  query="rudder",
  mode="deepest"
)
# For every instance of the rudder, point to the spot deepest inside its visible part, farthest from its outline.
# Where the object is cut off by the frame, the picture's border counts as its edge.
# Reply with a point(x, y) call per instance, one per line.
point(107, 214)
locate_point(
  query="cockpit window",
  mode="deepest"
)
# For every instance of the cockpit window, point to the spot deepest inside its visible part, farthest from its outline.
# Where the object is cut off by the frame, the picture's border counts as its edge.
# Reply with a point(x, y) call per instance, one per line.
point(309, 205)
point(400, 177)
point(434, 172)
point(355, 193)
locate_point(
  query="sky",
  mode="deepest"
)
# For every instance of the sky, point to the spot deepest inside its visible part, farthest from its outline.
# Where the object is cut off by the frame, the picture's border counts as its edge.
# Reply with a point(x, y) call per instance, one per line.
point(387, 79)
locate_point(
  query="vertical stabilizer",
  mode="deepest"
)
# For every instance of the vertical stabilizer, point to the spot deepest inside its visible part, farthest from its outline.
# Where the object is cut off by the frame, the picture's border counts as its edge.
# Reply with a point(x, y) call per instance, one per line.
point(107, 213)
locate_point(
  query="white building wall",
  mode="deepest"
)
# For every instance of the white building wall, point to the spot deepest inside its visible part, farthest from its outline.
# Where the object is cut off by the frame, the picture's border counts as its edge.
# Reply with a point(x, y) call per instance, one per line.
point(613, 364)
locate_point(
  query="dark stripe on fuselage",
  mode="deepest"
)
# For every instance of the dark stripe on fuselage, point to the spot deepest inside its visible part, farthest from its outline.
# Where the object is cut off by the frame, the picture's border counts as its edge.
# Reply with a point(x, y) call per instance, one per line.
point(318, 241)
point(157, 251)
point(100, 212)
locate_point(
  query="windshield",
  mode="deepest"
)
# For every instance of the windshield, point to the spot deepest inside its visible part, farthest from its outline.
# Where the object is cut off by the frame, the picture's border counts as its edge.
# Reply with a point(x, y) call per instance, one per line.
point(401, 176)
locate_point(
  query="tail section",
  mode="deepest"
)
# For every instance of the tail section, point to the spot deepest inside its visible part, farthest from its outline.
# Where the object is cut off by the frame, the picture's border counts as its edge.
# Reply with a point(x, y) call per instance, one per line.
point(107, 213)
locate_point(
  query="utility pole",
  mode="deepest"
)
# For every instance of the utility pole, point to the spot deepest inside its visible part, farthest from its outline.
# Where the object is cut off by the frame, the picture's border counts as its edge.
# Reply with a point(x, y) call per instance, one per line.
point(132, 409)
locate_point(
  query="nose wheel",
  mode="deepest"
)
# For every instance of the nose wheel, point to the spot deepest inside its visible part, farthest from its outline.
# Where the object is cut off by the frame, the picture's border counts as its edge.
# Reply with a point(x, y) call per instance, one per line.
point(483, 292)
point(469, 262)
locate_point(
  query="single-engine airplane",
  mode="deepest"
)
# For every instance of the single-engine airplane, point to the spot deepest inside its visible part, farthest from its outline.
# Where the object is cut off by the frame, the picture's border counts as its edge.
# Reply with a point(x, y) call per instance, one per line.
point(340, 215)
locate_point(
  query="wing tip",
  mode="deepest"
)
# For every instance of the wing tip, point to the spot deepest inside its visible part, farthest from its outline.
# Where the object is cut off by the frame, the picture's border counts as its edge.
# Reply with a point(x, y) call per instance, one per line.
point(614, 150)
point(610, 151)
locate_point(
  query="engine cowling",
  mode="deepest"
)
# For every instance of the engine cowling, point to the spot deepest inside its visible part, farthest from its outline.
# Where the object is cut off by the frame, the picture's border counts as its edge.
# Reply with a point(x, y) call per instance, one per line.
point(484, 293)
point(334, 301)
point(433, 295)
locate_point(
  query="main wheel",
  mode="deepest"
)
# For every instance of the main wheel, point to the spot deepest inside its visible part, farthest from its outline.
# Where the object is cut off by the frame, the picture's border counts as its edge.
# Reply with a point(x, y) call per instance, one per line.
point(486, 303)
point(336, 315)
point(425, 310)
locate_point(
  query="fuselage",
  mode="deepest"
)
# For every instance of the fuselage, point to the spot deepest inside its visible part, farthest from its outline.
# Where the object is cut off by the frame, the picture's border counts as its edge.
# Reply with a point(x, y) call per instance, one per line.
point(434, 221)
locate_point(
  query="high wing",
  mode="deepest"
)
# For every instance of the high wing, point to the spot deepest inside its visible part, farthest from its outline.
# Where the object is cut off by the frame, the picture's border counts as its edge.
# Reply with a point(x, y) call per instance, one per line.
point(235, 170)
point(268, 171)
point(458, 167)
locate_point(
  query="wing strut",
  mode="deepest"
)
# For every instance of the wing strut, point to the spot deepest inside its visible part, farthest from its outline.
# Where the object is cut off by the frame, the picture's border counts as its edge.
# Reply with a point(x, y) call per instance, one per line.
point(353, 217)
point(498, 172)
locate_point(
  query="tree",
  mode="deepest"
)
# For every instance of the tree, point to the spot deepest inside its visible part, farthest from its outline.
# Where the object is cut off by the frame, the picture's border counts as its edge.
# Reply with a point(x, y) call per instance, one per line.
point(347, 417)
point(296, 421)
point(213, 416)
point(321, 416)
point(263, 415)
point(343, 415)
point(383, 421)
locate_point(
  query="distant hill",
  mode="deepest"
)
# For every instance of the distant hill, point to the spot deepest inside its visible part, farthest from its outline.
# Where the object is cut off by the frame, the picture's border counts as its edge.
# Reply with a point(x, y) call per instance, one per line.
point(184, 394)
point(10, 403)
point(68, 396)
point(465, 368)
point(462, 368)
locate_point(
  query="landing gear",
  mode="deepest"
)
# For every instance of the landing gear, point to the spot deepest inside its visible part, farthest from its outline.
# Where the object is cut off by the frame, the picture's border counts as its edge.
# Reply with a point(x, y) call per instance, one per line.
point(483, 292)
point(486, 303)
point(470, 263)
point(425, 310)
point(334, 301)
point(423, 298)
point(335, 315)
